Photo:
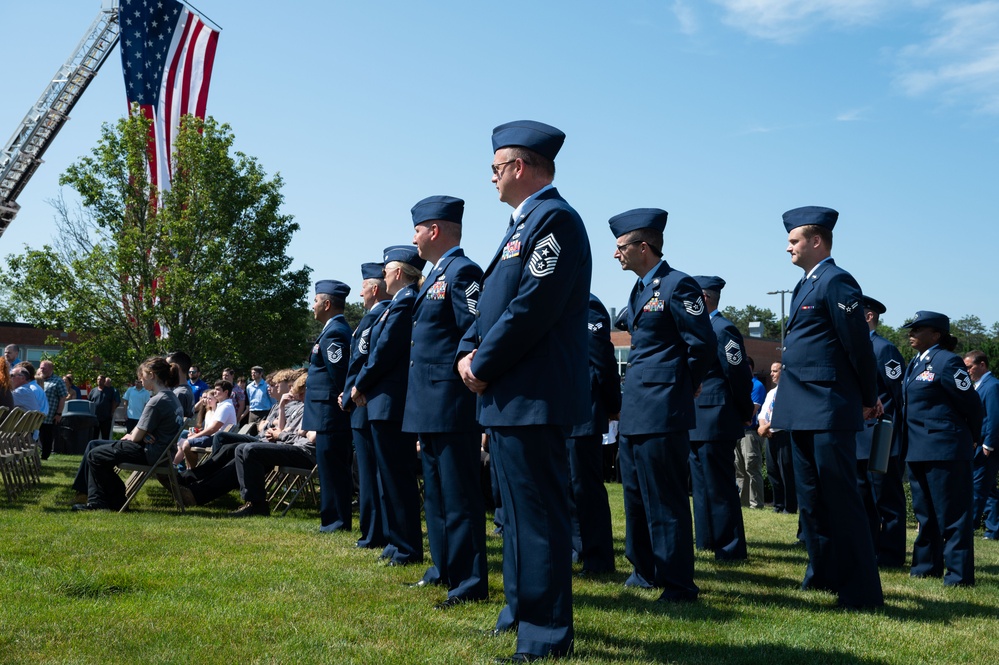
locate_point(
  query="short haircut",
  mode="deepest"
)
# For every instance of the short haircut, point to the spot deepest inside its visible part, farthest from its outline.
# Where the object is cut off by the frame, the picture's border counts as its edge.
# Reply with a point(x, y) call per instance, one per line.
point(824, 232)
point(651, 237)
point(977, 357)
point(257, 368)
point(181, 359)
point(451, 230)
point(298, 388)
point(28, 366)
point(222, 384)
point(531, 158)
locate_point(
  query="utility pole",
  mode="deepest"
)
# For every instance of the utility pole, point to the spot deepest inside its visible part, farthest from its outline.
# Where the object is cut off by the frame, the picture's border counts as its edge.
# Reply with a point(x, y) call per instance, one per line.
point(773, 293)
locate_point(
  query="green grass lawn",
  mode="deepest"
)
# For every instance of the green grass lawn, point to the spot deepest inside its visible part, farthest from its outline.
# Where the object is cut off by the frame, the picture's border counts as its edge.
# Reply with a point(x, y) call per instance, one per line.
point(155, 586)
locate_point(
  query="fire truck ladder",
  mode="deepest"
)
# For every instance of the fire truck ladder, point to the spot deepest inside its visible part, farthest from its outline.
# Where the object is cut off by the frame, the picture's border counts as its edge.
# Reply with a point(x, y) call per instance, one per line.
point(23, 153)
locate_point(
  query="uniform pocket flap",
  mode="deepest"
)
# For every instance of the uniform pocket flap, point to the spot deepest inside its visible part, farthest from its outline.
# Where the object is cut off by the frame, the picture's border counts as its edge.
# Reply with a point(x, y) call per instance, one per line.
point(817, 374)
point(653, 375)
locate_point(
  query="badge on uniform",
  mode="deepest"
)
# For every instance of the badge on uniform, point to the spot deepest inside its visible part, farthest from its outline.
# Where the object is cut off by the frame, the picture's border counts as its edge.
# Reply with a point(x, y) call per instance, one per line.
point(893, 369)
point(472, 298)
point(654, 305)
point(696, 307)
point(962, 380)
point(384, 315)
point(438, 290)
point(594, 327)
point(334, 353)
point(733, 352)
point(925, 375)
point(315, 348)
point(545, 256)
point(511, 250)
point(848, 308)
point(362, 344)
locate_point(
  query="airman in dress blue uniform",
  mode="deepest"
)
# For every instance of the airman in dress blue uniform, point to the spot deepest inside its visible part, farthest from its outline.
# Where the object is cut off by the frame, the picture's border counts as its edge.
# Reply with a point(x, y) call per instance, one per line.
point(381, 386)
point(442, 410)
point(723, 406)
point(828, 387)
point(883, 495)
point(323, 415)
point(368, 504)
point(593, 538)
point(672, 348)
point(942, 419)
point(525, 357)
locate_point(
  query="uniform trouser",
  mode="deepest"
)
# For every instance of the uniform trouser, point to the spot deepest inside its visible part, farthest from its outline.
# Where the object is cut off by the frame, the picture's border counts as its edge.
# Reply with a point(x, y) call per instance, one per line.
point(104, 486)
point(334, 454)
point(255, 460)
point(659, 540)
point(992, 515)
point(717, 512)
point(399, 493)
point(749, 469)
point(780, 472)
point(593, 538)
point(840, 552)
point(533, 472)
point(456, 517)
point(942, 497)
point(497, 497)
point(884, 502)
point(368, 505)
point(986, 468)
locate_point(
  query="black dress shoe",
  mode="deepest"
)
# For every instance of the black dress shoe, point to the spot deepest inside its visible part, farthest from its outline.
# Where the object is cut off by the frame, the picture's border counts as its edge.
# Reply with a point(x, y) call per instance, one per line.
point(519, 658)
point(77, 507)
point(454, 601)
point(419, 584)
point(250, 509)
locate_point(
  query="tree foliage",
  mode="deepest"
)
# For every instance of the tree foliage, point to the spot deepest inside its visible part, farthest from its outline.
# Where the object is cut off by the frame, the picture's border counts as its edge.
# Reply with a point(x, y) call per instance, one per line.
point(744, 316)
point(206, 271)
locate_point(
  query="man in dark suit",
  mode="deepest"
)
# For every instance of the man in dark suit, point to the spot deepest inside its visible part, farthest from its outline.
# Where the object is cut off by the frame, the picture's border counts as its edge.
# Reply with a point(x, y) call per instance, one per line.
point(442, 410)
point(987, 452)
point(323, 415)
point(724, 405)
point(828, 388)
point(525, 357)
point(883, 494)
point(672, 348)
point(593, 539)
point(369, 513)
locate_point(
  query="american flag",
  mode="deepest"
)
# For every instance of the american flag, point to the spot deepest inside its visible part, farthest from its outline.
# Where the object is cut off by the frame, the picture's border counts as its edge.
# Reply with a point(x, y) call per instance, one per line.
point(167, 53)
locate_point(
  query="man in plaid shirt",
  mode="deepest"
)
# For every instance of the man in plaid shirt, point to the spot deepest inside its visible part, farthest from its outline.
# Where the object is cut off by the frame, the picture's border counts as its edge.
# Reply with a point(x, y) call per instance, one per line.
point(55, 392)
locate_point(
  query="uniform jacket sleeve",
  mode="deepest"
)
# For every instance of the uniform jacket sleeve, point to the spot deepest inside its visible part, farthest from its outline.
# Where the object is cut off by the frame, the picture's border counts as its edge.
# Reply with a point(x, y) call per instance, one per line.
point(389, 342)
point(694, 326)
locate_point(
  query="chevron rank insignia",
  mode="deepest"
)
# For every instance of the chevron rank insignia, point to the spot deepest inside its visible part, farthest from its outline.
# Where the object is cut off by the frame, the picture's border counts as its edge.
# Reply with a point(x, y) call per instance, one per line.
point(962, 380)
point(594, 327)
point(893, 369)
point(733, 353)
point(334, 353)
point(362, 344)
point(848, 308)
point(472, 297)
point(545, 256)
point(696, 307)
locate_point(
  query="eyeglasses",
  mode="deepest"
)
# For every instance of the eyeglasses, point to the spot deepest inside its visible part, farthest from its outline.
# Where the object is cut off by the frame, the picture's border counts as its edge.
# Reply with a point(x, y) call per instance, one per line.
point(623, 247)
point(496, 167)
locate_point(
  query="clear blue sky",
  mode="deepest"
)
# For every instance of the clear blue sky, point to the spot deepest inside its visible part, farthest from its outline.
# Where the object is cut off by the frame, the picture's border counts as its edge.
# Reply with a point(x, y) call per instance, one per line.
point(726, 113)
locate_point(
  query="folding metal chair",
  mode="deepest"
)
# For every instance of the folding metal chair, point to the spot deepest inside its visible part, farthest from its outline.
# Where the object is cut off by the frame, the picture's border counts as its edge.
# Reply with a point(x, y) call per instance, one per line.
point(163, 466)
point(288, 482)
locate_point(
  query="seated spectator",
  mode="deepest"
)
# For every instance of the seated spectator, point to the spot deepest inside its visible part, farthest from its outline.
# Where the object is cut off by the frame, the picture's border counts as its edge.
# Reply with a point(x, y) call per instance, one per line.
point(219, 414)
point(135, 401)
point(27, 393)
point(6, 389)
point(251, 462)
point(161, 419)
